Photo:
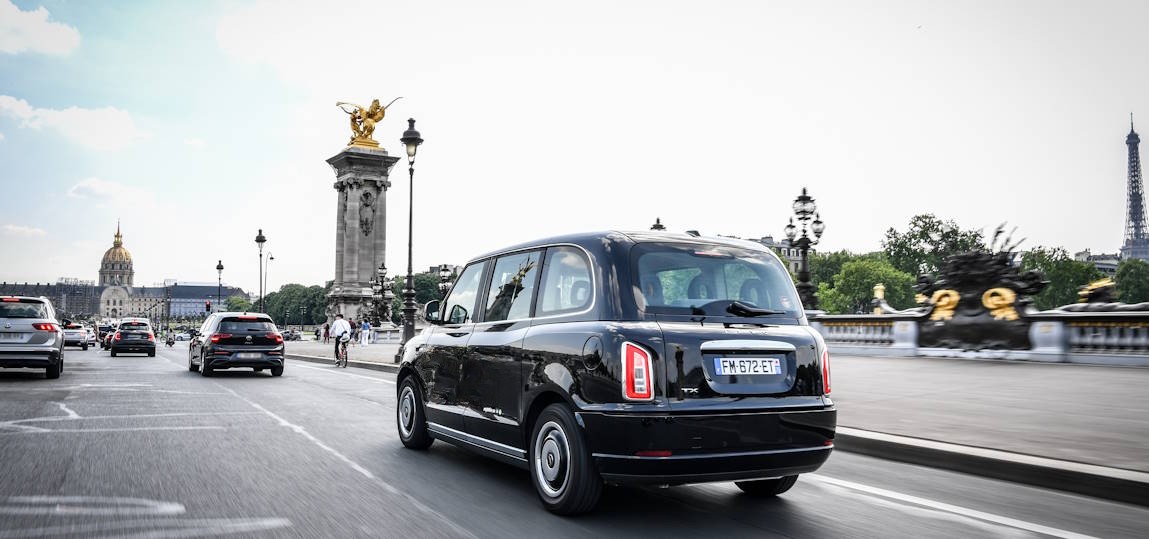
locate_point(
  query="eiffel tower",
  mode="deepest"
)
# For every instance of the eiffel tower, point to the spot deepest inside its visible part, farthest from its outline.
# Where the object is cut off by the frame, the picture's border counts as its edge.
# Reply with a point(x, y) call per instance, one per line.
point(1136, 233)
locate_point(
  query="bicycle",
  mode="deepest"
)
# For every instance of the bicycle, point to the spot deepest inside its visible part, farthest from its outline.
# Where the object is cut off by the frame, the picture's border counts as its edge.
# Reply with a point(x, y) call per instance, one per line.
point(341, 355)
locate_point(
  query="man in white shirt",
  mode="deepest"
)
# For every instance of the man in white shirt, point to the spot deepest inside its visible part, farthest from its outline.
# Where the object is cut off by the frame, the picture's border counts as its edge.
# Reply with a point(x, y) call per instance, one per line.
point(339, 328)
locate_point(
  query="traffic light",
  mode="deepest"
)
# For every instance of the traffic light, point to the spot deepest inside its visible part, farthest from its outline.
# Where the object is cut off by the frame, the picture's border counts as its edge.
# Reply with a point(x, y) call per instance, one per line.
point(207, 305)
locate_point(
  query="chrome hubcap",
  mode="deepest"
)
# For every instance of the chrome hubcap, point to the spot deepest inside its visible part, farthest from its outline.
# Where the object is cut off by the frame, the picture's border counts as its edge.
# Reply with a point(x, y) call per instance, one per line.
point(552, 459)
point(407, 411)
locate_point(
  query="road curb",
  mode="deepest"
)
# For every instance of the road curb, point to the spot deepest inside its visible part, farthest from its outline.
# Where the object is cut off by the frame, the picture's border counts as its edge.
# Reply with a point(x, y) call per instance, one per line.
point(385, 367)
point(1116, 484)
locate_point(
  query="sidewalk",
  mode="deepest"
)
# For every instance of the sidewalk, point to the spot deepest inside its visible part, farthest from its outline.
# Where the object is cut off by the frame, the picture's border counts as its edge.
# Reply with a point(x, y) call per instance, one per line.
point(378, 356)
point(1072, 427)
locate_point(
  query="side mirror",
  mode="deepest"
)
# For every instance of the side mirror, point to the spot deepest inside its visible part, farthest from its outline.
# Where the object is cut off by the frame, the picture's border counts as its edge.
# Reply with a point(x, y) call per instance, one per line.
point(431, 311)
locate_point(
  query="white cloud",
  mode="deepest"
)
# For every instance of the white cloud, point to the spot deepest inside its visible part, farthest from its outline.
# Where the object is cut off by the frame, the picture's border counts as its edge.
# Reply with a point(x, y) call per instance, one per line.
point(1, 137)
point(106, 128)
point(196, 143)
point(23, 231)
point(104, 190)
point(31, 31)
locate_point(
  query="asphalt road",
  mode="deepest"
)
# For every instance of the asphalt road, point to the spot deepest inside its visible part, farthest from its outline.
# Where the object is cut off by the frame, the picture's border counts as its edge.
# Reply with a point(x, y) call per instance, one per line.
point(139, 447)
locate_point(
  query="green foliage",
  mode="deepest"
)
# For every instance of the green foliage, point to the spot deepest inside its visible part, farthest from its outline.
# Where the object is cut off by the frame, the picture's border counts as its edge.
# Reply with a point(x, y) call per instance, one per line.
point(296, 304)
point(1065, 275)
point(853, 287)
point(824, 266)
point(238, 303)
point(426, 289)
point(924, 246)
point(1133, 281)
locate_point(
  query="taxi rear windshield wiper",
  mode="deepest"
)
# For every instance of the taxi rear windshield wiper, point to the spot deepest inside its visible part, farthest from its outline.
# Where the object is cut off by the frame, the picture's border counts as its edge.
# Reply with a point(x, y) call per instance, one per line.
point(737, 308)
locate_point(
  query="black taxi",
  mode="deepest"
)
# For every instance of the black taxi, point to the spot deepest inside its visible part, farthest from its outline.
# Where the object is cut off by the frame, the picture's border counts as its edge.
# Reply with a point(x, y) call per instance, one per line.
point(619, 357)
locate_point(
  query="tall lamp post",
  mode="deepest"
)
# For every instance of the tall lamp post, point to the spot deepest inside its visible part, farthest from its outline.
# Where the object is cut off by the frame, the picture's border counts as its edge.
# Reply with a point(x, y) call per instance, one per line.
point(411, 140)
point(260, 239)
point(444, 280)
point(806, 211)
point(219, 282)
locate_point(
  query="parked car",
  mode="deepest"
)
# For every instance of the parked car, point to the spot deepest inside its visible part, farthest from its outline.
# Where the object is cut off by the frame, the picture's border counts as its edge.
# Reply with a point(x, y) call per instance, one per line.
point(626, 358)
point(75, 335)
point(231, 340)
point(183, 336)
point(292, 335)
point(30, 335)
point(134, 335)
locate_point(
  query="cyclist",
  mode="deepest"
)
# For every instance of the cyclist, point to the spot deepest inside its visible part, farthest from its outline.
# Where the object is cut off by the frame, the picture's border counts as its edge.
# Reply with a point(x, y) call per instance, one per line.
point(339, 328)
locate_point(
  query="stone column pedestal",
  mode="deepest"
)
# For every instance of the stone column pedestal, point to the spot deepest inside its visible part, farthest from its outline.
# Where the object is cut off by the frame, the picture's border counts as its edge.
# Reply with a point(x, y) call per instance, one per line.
point(360, 227)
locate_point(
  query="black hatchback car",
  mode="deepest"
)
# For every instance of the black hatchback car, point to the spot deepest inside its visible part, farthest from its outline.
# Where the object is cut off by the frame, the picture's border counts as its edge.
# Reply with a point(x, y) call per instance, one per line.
point(236, 340)
point(134, 335)
point(624, 358)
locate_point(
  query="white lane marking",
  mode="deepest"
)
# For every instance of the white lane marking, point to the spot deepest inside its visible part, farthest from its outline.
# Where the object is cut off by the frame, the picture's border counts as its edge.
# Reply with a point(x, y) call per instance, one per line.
point(125, 429)
point(130, 416)
point(354, 465)
point(87, 505)
point(955, 509)
point(71, 413)
point(177, 527)
point(331, 371)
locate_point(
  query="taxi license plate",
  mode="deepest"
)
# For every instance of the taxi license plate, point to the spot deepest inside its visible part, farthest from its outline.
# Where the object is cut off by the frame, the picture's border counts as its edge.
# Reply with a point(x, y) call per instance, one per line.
point(248, 355)
point(726, 366)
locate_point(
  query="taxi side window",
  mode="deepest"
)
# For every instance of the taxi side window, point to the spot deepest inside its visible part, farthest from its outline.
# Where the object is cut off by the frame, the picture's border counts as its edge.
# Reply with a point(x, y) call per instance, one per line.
point(566, 285)
point(460, 305)
point(512, 287)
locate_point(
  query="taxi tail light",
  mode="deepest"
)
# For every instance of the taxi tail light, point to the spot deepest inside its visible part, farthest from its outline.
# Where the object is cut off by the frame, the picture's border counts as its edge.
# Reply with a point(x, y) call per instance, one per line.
point(826, 372)
point(216, 337)
point(44, 326)
point(637, 373)
point(275, 336)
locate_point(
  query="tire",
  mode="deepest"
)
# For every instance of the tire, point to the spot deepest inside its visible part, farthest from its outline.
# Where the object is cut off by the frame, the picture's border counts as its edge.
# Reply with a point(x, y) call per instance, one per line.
point(53, 371)
point(192, 367)
point(113, 352)
point(204, 368)
point(152, 353)
point(84, 347)
point(560, 463)
point(276, 371)
point(767, 488)
point(411, 417)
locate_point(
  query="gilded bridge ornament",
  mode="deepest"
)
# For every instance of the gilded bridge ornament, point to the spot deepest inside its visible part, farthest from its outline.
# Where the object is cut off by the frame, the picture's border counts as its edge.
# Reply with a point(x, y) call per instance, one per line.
point(945, 302)
point(363, 120)
point(1000, 301)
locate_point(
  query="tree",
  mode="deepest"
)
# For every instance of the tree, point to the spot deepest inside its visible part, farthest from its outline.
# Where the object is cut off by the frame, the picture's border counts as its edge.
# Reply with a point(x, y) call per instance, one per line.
point(238, 303)
point(426, 289)
point(925, 245)
point(853, 287)
point(824, 266)
point(1133, 281)
point(306, 304)
point(1065, 275)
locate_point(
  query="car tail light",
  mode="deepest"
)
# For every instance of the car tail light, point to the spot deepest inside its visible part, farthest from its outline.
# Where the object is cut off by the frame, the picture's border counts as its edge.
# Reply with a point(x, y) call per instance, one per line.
point(43, 326)
point(216, 337)
point(151, 336)
point(654, 453)
point(278, 338)
point(12, 300)
point(637, 371)
point(117, 337)
point(826, 372)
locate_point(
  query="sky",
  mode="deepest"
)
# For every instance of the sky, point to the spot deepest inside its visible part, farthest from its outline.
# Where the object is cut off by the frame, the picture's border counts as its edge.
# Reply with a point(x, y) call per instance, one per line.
point(197, 123)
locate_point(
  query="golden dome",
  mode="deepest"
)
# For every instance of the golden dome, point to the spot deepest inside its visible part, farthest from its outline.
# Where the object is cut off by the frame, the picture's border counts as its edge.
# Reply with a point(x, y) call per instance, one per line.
point(117, 254)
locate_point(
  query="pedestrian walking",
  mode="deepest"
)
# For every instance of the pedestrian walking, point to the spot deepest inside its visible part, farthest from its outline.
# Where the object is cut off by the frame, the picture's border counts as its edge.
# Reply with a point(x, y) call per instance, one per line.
point(326, 332)
point(365, 333)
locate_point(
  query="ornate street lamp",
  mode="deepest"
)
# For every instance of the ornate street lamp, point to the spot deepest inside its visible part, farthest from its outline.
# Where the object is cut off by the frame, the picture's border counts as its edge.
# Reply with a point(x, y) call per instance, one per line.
point(260, 239)
point(411, 140)
point(444, 280)
point(219, 282)
point(806, 211)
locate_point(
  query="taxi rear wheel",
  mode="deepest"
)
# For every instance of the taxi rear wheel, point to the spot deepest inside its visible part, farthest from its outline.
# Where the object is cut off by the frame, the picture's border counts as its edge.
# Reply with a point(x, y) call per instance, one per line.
point(767, 488)
point(561, 467)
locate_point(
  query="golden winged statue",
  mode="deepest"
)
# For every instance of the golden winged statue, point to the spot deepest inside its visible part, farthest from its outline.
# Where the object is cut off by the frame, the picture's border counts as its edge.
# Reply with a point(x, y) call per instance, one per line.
point(363, 120)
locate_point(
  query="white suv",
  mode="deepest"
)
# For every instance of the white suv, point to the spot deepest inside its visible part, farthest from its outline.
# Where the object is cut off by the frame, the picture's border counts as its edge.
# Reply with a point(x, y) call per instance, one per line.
point(30, 335)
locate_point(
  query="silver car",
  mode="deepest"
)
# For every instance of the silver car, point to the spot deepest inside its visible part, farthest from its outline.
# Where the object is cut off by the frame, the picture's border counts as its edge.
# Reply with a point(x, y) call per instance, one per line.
point(30, 335)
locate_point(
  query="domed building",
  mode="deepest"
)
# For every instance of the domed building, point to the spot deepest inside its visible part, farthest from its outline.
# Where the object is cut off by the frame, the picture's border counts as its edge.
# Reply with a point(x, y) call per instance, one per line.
point(116, 268)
